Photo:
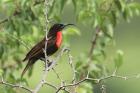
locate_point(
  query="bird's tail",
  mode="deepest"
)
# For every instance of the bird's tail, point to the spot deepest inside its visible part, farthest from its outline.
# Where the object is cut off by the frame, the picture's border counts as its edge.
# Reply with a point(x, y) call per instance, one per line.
point(24, 59)
point(29, 65)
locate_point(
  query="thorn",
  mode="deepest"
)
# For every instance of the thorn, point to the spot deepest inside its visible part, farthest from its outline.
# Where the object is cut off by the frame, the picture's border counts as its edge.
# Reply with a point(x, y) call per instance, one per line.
point(125, 78)
point(87, 75)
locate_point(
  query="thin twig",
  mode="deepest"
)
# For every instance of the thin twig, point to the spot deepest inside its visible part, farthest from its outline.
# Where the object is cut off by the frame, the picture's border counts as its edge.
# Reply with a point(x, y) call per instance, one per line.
point(47, 68)
point(15, 85)
point(3, 21)
point(94, 40)
point(58, 76)
point(72, 65)
point(96, 80)
point(51, 85)
point(43, 81)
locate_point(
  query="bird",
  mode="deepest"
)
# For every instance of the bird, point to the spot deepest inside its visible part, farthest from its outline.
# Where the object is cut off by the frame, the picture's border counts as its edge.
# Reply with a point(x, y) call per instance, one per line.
point(54, 40)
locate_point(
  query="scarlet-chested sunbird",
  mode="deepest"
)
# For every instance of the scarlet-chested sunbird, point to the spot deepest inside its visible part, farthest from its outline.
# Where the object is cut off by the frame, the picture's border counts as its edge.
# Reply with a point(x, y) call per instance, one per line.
point(54, 40)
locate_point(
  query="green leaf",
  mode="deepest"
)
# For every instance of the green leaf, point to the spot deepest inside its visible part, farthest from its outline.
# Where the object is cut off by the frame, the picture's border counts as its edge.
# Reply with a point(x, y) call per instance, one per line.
point(118, 4)
point(113, 18)
point(85, 88)
point(80, 62)
point(1, 72)
point(137, 11)
point(126, 14)
point(30, 71)
point(135, 7)
point(1, 50)
point(119, 58)
point(63, 3)
point(74, 4)
point(24, 81)
point(71, 31)
point(121, 4)
point(6, 1)
point(110, 30)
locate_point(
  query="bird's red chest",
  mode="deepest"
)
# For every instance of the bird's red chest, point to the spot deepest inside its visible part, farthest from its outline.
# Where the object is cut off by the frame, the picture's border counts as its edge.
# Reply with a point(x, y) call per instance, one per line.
point(58, 38)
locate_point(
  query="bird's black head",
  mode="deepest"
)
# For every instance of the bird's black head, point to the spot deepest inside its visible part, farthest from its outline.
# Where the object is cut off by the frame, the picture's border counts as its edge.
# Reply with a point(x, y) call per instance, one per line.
point(59, 27)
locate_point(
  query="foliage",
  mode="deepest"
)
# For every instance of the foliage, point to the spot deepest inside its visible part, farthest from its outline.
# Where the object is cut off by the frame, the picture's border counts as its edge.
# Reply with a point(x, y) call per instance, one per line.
point(25, 23)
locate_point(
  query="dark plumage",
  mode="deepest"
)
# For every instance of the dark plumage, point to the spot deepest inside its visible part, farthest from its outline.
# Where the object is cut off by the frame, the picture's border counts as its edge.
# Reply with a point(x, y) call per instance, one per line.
point(53, 43)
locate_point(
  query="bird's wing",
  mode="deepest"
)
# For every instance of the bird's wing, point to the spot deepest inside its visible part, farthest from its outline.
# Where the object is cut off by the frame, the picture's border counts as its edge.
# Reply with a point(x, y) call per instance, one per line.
point(35, 50)
point(38, 48)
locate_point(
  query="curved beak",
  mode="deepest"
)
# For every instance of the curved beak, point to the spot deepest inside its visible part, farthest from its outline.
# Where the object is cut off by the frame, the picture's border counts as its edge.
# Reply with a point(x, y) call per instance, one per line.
point(69, 25)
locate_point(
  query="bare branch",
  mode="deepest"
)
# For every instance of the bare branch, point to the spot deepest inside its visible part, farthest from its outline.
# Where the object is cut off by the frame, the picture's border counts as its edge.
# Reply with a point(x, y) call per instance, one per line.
point(58, 76)
point(47, 68)
point(63, 86)
point(72, 65)
point(3, 21)
point(14, 86)
point(53, 86)
point(96, 80)
point(94, 40)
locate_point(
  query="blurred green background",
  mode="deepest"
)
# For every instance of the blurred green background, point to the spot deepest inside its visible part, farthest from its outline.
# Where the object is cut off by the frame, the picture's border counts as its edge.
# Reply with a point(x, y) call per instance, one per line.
point(127, 36)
